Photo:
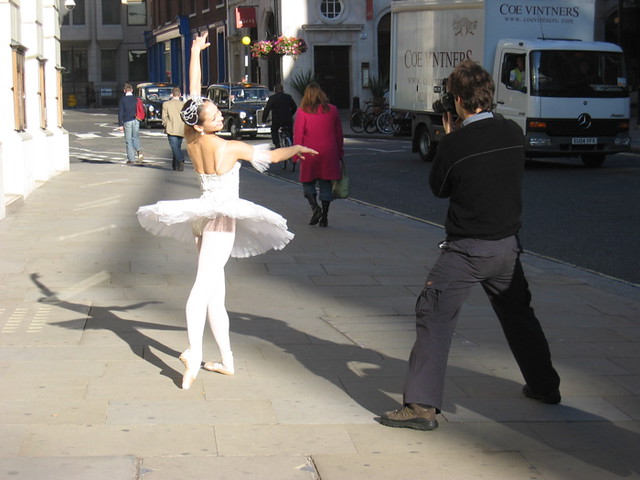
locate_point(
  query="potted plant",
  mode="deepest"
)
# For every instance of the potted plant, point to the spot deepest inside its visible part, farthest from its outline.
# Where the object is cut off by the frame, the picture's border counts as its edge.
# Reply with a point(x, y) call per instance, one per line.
point(378, 87)
point(301, 80)
point(261, 48)
point(293, 46)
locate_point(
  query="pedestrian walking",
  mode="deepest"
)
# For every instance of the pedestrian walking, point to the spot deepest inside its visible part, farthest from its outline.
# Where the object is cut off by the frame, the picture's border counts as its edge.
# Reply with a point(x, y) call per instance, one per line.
point(91, 95)
point(223, 224)
point(282, 108)
point(128, 124)
point(174, 127)
point(478, 166)
point(318, 125)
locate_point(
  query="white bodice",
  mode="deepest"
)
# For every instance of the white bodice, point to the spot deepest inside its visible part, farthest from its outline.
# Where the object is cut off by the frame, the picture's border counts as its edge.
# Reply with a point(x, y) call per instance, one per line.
point(223, 187)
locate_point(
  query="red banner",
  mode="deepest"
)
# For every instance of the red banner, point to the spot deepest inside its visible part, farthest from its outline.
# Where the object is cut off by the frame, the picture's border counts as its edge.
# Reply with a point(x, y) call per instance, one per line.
point(369, 9)
point(246, 17)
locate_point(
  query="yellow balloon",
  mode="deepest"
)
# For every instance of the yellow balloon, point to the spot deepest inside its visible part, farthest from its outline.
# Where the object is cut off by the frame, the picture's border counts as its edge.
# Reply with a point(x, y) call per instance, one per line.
point(246, 40)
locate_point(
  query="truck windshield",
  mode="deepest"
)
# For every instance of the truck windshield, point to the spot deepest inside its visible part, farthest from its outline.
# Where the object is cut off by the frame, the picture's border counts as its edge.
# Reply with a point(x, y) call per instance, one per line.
point(571, 73)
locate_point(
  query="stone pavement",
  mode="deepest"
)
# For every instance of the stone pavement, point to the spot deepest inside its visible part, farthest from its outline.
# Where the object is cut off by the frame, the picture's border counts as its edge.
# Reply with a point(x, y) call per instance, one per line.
point(92, 323)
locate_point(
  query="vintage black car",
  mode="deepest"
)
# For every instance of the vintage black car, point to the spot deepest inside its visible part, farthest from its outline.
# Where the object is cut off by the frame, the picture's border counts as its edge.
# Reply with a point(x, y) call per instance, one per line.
point(242, 106)
point(153, 95)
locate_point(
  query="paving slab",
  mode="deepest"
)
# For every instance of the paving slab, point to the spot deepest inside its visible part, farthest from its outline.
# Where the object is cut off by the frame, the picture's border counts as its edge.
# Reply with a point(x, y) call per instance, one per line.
point(79, 468)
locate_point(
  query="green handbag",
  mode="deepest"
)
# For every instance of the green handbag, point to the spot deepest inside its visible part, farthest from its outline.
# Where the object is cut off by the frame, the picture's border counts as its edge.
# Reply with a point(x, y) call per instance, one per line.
point(341, 187)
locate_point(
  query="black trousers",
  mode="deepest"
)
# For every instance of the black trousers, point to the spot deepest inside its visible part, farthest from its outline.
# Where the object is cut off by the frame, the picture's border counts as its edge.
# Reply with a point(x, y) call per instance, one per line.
point(275, 137)
point(496, 266)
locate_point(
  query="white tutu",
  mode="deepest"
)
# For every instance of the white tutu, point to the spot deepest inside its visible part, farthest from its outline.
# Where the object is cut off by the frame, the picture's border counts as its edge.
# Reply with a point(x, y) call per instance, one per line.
point(258, 229)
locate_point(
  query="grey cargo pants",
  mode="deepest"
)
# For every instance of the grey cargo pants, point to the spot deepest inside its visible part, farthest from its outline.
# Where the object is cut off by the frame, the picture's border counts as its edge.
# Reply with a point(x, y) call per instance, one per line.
point(494, 264)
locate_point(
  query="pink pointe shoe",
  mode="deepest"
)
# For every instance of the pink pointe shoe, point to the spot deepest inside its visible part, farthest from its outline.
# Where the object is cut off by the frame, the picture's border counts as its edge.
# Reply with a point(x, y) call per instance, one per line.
point(219, 368)
point(190, 372)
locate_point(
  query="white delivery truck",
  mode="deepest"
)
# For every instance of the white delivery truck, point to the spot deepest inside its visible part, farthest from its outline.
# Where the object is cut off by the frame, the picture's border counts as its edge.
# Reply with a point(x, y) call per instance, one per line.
point(571, 99)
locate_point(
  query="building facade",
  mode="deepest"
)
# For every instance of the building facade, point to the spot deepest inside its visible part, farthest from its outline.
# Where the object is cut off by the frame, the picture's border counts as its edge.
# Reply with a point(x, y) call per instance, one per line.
point(102, 47)
point(347, 42)
point(33, 143)
point(173, 24)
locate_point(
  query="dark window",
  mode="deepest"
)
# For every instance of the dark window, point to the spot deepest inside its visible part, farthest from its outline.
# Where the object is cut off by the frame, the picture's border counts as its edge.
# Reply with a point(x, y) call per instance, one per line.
point(111, 12)
point(108, 65)
point(138, 70)
point(75, 65)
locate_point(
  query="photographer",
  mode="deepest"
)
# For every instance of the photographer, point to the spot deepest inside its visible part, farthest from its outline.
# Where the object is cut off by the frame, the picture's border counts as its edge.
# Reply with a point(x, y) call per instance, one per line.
point(479, 167)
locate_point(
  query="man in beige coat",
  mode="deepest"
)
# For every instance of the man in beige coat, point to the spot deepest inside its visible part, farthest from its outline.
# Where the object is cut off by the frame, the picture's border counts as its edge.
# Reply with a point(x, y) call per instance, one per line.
point(174, 126)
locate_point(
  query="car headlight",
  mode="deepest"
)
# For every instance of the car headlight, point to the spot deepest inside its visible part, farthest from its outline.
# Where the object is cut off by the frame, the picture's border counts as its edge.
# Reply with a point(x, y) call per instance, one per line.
point(243, 115)
point(151, 109)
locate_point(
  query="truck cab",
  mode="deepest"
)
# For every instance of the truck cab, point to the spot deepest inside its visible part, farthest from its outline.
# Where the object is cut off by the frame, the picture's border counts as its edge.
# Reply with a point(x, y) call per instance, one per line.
point(570, 94)
point(573, 99)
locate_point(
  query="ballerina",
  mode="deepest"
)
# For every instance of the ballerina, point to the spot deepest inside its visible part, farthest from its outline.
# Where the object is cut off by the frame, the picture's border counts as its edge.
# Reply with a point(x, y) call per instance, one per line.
point(223, 224)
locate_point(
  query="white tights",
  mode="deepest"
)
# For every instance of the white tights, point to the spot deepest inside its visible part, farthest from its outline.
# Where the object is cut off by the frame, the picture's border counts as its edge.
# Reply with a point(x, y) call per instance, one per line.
point(208, 294)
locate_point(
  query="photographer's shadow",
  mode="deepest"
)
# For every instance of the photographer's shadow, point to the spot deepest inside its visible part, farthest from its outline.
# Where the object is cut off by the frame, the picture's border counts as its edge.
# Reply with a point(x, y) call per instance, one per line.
point(129, 331)
point(568, 431)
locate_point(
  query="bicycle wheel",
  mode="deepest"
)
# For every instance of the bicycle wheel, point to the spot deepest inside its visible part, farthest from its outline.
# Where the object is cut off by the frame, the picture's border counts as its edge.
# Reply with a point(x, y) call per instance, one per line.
point(357, 122)
point(385, 123)
point(285, 141)
point(370, 123)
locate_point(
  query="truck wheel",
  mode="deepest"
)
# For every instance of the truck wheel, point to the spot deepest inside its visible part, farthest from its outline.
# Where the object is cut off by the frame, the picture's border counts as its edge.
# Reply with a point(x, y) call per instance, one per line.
point(426, 148)
point(592, 161)
point(234, 130)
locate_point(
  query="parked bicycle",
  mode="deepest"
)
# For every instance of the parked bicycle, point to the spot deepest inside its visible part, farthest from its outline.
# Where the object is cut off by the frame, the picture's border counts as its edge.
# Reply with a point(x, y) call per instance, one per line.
point(285, 141)
point(362, 121)
point(392, 122)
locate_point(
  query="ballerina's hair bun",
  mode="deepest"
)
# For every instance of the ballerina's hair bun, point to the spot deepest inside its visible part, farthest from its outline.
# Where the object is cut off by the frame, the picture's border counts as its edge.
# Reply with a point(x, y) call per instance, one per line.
point(189, 112)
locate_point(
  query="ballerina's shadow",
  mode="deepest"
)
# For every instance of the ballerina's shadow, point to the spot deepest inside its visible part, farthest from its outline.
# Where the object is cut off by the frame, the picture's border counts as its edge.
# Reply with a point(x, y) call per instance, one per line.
point(129, 331)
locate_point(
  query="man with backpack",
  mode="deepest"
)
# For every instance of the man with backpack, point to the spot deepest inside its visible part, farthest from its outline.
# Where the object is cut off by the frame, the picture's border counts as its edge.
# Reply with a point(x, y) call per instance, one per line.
point(129, 123)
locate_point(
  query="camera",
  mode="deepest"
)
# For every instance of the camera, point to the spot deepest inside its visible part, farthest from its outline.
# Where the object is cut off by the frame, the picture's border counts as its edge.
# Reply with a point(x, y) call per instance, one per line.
point(446, 102)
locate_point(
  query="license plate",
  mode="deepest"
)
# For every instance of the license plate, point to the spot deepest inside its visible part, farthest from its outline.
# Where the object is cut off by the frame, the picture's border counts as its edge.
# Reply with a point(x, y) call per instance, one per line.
point(584, 141)
point(264, 130)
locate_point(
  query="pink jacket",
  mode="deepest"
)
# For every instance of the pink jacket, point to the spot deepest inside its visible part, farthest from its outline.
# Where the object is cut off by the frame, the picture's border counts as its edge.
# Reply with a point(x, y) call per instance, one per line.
point(322, 132)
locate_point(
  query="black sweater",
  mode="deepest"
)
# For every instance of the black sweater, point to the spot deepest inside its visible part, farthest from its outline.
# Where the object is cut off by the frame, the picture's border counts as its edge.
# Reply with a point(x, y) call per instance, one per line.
point(479, 167)
point(282, 107)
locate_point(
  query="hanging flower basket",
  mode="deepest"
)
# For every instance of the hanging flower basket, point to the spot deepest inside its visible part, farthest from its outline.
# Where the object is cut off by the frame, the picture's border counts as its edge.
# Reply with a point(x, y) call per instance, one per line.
point(261, 49)
point(293, 46)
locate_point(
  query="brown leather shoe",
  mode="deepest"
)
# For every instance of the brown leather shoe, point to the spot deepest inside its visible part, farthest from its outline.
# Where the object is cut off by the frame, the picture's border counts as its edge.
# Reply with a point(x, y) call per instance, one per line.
point(411, 415)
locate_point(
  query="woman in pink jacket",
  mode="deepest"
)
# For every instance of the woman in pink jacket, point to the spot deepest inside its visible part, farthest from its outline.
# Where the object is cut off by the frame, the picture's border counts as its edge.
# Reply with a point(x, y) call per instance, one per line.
point(318, 126)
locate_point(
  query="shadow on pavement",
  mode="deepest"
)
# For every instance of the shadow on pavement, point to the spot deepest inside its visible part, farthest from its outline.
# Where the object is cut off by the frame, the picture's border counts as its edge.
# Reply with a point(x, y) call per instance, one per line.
point(104, 318)
point(582, 438)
